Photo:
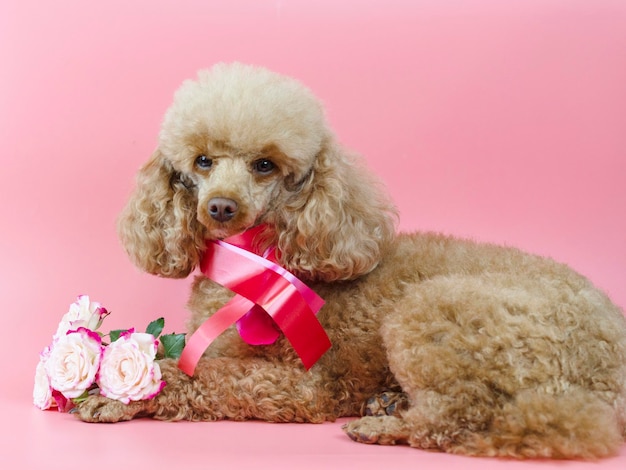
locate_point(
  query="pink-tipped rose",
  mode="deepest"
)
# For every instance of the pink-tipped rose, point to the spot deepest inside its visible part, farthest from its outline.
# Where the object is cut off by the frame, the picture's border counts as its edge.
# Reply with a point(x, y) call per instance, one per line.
point(73, 362)
point(128, 370)
point(83, 313)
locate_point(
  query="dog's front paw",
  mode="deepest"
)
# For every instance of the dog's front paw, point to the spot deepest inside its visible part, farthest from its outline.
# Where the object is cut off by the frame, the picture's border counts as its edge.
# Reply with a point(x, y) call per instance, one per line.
point(99, 409)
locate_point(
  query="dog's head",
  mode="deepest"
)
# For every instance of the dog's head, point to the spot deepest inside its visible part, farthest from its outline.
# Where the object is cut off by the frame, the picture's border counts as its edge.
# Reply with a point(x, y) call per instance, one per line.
point(241, 146)
point(241, 137)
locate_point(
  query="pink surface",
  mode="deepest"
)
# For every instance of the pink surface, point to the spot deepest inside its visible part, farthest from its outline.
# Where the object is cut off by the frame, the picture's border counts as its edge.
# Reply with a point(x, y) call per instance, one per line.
point(502, 121)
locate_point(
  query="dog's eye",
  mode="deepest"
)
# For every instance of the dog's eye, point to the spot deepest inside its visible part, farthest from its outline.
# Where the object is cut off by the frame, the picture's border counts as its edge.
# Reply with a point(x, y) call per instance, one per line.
point(204, 162)
point(264, 166)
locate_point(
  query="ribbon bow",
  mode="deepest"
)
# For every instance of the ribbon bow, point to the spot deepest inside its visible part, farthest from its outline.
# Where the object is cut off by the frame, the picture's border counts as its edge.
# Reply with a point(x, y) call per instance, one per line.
point(269, 299)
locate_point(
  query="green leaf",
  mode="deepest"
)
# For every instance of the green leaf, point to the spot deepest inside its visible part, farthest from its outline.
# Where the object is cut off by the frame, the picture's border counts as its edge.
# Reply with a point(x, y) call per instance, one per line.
point(173, 345)
point(156, 327)
point(115, 334)
point(81, 398)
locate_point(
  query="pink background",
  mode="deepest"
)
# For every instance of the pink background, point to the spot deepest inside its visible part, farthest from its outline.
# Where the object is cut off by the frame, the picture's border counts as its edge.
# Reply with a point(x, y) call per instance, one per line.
point(503, 121)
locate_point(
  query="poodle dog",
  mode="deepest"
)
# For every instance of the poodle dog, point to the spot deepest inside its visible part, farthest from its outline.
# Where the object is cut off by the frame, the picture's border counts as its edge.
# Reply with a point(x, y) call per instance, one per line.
point(437, 343)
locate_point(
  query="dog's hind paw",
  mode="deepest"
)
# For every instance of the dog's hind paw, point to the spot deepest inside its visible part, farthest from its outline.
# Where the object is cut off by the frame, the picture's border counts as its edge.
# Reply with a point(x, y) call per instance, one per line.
point(383, 430)
point(99, 409)
point(385, 404)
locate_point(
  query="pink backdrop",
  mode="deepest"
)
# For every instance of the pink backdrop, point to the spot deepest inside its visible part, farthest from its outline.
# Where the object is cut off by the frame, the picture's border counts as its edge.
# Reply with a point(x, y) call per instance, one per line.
point(504, 121)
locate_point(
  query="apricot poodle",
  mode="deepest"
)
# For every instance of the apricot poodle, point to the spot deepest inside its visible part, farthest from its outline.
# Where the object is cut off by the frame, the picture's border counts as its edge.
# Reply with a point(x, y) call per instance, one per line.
point(438, 343)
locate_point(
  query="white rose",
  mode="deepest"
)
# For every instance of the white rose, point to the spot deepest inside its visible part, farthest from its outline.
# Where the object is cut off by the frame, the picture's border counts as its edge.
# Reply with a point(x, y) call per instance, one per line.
point(74, 361)
point(83, 313)
point(42, 391)
point(128, 370)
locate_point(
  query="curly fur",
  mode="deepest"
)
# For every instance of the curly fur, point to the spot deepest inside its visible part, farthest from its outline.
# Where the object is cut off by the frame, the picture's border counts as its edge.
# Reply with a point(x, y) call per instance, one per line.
point(499, 352)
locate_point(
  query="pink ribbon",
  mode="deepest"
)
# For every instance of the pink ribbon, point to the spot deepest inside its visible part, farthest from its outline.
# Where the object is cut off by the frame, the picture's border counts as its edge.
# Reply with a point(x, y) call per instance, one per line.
point(269, 299)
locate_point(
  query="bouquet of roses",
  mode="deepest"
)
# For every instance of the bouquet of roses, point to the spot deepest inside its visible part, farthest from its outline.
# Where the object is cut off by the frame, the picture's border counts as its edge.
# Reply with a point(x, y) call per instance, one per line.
point(79, 361)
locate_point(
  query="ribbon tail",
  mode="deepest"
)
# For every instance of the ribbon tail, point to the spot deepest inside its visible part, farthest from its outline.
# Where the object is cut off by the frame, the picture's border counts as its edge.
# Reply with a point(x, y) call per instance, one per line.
point(200, 340)
point(306, 335)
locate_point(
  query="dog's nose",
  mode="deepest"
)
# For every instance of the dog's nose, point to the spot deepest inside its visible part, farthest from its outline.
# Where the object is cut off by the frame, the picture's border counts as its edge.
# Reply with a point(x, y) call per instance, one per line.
point(222, 209)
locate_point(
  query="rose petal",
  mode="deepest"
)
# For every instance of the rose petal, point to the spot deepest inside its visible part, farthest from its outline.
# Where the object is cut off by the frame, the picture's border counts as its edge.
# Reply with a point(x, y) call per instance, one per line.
point(42, 391)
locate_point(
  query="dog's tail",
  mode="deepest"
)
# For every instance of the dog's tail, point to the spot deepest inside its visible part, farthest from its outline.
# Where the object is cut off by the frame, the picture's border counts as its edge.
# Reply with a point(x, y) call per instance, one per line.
point(574, 424)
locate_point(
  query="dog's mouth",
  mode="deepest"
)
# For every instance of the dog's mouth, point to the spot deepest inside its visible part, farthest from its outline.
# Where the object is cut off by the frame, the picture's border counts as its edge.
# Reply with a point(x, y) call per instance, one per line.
point(226, 230)
point(220, 233)
point(236, 236)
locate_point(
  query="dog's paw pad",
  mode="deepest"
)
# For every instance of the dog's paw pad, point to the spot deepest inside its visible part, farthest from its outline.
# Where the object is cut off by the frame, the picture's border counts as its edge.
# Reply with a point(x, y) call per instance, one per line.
point(354, 432)
point(385, 404)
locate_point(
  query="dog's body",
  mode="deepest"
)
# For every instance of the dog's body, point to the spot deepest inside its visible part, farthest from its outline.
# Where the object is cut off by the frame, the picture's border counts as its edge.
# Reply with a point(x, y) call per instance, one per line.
point(499, 352)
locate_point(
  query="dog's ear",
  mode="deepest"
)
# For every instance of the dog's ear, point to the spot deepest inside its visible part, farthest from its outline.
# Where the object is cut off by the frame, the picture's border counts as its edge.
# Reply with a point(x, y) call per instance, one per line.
point(338, 223)
point(158, 226)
